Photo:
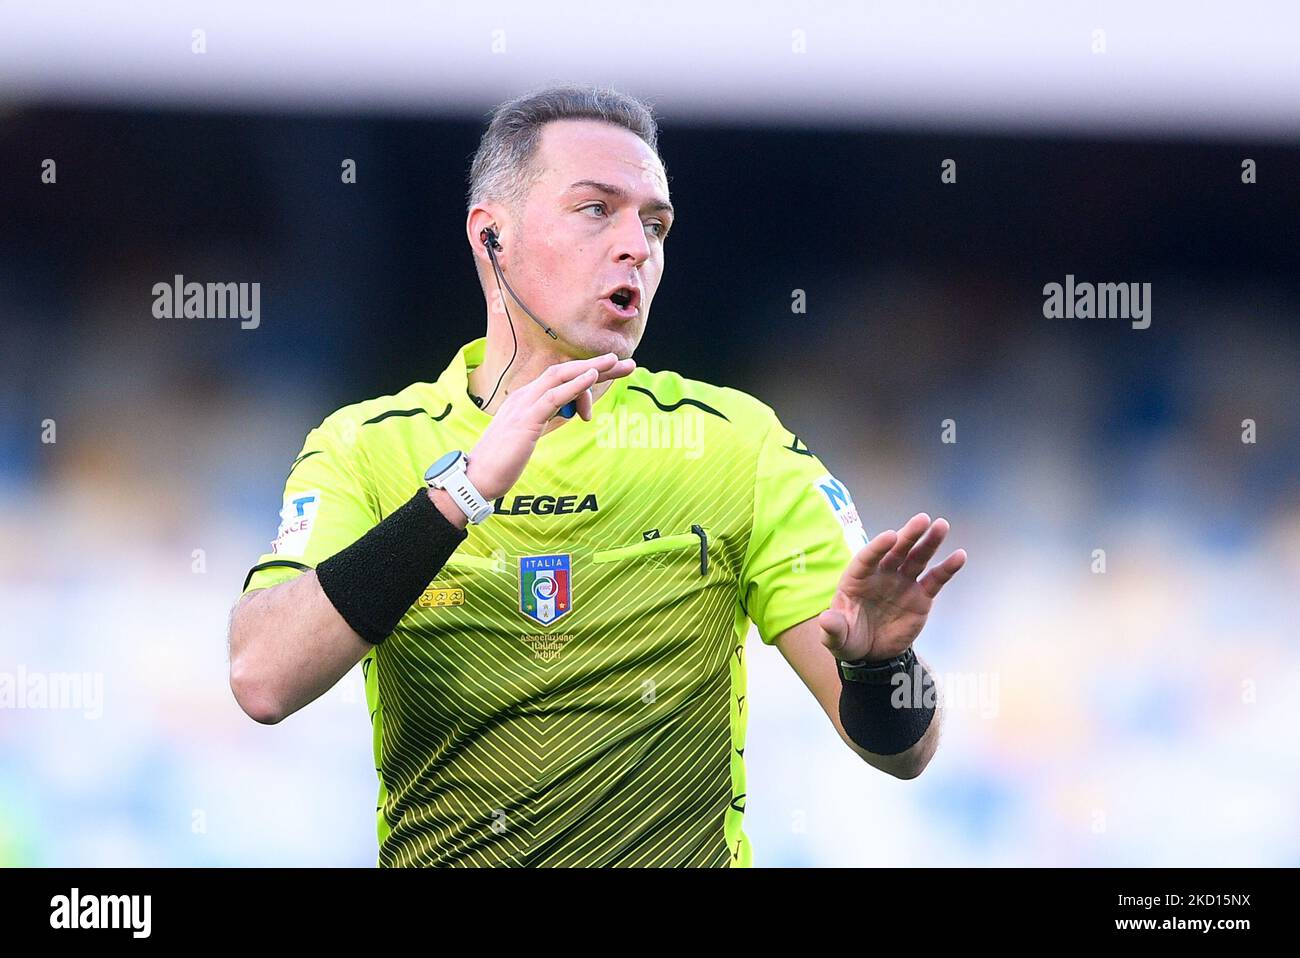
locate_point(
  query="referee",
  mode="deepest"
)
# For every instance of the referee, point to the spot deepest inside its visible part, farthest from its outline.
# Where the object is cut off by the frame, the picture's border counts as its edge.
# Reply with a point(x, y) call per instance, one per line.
point(547, 560)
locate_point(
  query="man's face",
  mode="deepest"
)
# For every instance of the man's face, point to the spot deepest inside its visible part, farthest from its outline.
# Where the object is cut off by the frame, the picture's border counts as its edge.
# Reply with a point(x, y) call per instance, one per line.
point(594, 220)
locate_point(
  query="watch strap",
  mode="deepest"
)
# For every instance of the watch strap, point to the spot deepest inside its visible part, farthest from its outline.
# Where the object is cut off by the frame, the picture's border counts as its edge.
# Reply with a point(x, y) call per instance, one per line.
point(879, 672)
point(455, 482)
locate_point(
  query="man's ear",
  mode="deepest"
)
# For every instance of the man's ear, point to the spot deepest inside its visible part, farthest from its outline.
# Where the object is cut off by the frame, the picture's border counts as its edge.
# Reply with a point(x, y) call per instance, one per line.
point(479, 219)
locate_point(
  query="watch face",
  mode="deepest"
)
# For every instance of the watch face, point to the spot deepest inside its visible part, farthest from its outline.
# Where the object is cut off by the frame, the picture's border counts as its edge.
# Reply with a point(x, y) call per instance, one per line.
point(442, 465)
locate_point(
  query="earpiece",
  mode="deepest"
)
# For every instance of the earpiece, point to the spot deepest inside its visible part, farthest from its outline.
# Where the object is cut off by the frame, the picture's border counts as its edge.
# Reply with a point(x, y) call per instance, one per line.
point(488, 237)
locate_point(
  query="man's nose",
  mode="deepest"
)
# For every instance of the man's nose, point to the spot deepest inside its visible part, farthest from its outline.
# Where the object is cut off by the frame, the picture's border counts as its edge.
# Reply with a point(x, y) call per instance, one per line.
point(630, 242)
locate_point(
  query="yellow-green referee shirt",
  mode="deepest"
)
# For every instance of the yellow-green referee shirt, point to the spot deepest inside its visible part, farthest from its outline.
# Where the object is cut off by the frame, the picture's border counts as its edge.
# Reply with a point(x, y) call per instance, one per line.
point(570, 689)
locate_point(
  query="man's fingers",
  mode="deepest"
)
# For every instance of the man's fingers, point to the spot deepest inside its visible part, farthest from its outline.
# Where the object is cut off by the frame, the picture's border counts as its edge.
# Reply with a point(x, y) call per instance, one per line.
point(583, 397)
point(584, 405)
point(608, 365)
point(617, 371)
point(936, 578)
point(907, 537)
point(561, 373)
point(559, 376)
point(866, 559)
point(549, 403)
point(924, 550)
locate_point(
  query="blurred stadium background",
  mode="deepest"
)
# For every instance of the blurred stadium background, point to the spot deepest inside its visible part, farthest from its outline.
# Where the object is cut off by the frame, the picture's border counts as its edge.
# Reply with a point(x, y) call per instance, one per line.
point(1144, 716)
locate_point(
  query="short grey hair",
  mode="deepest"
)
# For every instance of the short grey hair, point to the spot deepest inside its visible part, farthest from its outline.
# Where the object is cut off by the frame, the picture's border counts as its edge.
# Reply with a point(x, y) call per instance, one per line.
point(502, 168)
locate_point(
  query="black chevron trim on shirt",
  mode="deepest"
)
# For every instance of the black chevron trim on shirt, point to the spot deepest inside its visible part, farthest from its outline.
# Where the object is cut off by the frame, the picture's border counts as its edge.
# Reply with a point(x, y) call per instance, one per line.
point(287, 563)
point(408, 412)
point(681, 402)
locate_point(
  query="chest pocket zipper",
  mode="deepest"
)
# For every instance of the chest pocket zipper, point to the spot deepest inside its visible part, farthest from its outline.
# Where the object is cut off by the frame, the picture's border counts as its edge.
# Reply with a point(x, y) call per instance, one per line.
point(696, 538)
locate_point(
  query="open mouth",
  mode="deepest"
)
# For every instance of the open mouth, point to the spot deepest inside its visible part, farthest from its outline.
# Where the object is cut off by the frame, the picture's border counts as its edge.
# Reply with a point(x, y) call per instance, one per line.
point(625, 300)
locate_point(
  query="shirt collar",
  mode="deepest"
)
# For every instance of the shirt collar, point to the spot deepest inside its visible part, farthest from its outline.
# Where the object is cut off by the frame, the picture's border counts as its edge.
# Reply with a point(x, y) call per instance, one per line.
point(456, 376)
point(455, 383)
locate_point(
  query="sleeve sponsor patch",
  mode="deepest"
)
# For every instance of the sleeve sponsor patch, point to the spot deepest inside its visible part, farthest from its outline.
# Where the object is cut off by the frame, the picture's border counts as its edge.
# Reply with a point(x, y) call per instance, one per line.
point(297, 518)
point(837, 498)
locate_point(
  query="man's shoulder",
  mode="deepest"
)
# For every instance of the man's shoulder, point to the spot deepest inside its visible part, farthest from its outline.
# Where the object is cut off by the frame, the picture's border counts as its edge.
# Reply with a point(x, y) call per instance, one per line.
point(414, 401)
point(670, 391)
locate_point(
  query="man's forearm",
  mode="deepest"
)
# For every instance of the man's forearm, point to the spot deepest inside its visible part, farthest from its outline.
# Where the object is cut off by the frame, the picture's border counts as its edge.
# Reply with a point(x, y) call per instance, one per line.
point(288, 646)
point(913, 760)
point(291, 643)
point(908, 764)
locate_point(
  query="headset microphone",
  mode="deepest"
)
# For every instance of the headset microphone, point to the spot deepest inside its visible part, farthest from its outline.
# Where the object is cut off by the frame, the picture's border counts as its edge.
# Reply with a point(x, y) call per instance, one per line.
point(488, 236)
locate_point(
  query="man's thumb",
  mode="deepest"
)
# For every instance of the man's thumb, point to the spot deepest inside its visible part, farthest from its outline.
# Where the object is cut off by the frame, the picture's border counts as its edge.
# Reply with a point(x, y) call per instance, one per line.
point(835, 628)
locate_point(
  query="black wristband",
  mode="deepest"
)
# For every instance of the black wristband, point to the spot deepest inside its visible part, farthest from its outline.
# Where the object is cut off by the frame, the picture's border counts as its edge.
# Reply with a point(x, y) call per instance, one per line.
point(888, 718)
point(375, 581)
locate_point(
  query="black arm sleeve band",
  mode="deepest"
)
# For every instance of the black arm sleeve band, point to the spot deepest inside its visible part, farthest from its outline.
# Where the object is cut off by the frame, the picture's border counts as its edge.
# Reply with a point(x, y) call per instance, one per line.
point(373, 582)
point(872, 719)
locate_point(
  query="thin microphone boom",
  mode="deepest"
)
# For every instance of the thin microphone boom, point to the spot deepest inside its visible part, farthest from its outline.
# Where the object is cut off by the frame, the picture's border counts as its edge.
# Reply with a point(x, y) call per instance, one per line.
point(489, 238)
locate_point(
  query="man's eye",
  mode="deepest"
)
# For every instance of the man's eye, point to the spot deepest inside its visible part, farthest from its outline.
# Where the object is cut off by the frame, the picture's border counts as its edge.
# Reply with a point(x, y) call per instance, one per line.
point(663, 230)
point(591, 206)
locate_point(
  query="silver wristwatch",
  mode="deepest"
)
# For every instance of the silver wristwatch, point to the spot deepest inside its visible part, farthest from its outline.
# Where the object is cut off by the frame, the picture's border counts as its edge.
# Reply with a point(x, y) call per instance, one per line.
point(449, 474)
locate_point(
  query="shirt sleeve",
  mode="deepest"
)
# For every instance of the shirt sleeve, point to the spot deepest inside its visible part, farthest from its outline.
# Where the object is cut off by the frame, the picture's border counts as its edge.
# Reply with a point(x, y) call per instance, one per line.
point(805, 530)
point(326, 507)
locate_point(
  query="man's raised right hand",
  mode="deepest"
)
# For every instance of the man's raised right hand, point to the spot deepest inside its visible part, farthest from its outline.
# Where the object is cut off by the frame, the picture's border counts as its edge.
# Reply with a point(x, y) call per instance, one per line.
point(498, 459)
